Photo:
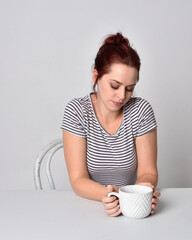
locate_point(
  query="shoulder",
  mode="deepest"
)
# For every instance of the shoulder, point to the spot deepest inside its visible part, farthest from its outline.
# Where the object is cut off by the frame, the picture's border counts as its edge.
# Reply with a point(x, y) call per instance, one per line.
point(138, 107)
point(136, 103)
point(78, 104)
point(74, 118)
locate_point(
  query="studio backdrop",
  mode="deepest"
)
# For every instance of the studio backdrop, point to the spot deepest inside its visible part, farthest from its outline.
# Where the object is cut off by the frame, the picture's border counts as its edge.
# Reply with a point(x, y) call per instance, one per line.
point(47, 49)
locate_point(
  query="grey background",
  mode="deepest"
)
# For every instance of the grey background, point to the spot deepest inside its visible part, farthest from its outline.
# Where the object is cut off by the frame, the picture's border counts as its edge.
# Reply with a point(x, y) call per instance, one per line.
point(47, 49)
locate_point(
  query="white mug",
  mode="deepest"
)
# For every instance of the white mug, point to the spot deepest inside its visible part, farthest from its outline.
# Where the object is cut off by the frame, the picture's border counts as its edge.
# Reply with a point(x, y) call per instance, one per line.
point(134, 200)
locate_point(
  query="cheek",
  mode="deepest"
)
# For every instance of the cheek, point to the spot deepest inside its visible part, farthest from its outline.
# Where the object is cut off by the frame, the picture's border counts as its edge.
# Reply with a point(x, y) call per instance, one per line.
point(106, 91)
point(128, 95)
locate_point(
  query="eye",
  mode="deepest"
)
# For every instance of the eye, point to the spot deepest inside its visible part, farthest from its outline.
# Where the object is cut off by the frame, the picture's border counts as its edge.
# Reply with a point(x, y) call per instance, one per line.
point(114, 87)
point(129, 90)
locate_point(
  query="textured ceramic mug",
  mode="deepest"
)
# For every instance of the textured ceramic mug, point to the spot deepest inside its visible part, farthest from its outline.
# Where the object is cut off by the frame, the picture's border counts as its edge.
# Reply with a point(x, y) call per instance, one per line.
point(134, 200)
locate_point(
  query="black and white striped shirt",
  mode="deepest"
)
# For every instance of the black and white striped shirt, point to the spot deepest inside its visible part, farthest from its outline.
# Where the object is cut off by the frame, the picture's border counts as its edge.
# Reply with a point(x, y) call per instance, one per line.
point(111, 159)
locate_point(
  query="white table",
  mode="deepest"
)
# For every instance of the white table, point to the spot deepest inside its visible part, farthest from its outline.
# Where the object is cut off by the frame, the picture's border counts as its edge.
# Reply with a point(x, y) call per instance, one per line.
point(55, 215)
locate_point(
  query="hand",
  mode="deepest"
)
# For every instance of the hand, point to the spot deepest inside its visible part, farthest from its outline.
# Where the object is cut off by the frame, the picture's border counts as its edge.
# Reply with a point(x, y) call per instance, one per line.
point(111, 204)
point(156, 194)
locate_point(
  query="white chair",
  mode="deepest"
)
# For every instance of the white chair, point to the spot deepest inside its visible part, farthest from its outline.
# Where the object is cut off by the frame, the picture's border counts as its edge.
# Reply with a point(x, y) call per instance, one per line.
point(48, 150)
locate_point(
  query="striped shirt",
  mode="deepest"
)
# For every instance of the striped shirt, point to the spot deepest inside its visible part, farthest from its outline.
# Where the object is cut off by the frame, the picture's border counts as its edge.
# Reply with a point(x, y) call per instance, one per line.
point(111, 159)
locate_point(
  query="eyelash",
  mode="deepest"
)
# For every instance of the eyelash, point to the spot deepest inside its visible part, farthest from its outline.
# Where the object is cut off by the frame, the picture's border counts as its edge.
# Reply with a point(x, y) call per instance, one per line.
point(131, 90)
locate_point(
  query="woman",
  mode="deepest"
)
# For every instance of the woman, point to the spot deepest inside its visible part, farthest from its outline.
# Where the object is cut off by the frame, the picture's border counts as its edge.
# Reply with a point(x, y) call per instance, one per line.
point(109, 136)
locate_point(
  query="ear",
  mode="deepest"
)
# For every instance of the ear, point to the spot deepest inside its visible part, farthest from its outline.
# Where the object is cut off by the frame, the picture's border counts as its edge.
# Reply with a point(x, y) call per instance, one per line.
point(95, 74)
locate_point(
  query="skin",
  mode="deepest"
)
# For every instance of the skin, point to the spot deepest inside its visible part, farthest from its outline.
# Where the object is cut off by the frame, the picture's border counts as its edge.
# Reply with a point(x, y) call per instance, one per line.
point(114, 89)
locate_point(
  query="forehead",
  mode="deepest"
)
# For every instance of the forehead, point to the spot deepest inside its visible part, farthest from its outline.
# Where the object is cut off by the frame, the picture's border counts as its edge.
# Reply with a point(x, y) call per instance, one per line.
point(123, 73)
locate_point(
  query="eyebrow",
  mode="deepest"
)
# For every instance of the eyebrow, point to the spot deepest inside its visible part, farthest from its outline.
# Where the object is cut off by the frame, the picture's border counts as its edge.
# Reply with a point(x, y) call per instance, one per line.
point(121, 83)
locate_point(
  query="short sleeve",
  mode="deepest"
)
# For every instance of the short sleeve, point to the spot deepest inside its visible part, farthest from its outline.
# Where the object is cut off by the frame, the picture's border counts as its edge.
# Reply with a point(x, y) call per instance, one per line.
point(146, 118)
point(73, 120)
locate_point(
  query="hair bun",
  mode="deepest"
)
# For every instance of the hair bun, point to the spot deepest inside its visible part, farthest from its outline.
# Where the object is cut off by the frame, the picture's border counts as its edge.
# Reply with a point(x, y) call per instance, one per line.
point(115, 49)
point(117, 39)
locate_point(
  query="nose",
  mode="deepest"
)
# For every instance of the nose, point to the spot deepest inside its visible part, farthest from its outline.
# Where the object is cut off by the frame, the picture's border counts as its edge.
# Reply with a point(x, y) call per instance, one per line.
point(121, 94)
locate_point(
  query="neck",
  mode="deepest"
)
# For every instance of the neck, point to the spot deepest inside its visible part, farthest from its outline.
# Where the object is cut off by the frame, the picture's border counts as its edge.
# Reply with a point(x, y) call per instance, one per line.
point(103, 113)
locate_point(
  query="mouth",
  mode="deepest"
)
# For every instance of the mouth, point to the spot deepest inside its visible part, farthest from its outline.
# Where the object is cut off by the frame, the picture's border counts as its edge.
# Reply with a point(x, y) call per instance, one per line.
point(117, 103)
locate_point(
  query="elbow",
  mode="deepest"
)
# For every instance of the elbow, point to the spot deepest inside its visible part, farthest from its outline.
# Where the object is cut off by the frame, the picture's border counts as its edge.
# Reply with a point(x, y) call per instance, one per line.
point(78, 185)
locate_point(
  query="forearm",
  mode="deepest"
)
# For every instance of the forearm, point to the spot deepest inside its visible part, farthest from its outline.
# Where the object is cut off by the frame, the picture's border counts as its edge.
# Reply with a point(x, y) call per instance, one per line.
point(152, 178)
point(88, 188)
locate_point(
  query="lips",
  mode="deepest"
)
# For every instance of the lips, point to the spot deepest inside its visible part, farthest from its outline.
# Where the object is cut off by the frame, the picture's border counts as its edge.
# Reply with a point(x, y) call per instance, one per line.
point(117, 103)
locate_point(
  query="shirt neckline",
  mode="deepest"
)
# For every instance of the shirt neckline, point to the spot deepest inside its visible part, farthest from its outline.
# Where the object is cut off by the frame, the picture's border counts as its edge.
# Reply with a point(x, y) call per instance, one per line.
point(108, 134)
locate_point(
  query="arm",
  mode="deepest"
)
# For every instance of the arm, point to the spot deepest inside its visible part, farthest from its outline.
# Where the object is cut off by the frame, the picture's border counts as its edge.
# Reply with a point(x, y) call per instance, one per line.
point(147, 174)
point(75, 157)
point(146, 148)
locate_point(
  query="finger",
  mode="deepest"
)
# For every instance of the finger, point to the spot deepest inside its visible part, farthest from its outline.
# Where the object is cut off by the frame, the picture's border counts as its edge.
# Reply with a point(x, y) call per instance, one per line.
point(156, 193)
point(113, 210)
point(116, 214)
point(112, 188)
point(115, 188)
point(109, 188)
point(111, 205)
point(109, 199)
point(154, 206)
point(155, 200)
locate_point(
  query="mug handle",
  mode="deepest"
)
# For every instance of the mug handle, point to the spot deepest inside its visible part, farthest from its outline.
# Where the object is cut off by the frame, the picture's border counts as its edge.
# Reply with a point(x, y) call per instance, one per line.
point(113, 193)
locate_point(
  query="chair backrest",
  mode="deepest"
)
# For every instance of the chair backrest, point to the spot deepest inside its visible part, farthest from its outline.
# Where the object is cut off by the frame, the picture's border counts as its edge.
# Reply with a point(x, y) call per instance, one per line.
point(49, 150)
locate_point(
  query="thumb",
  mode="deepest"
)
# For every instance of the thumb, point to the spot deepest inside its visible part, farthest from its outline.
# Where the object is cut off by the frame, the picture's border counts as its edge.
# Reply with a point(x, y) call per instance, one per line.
point(109, 188)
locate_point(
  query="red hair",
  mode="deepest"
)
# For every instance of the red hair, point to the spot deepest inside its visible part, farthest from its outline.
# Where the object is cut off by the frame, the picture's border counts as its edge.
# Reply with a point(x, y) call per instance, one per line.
point(115, 49)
